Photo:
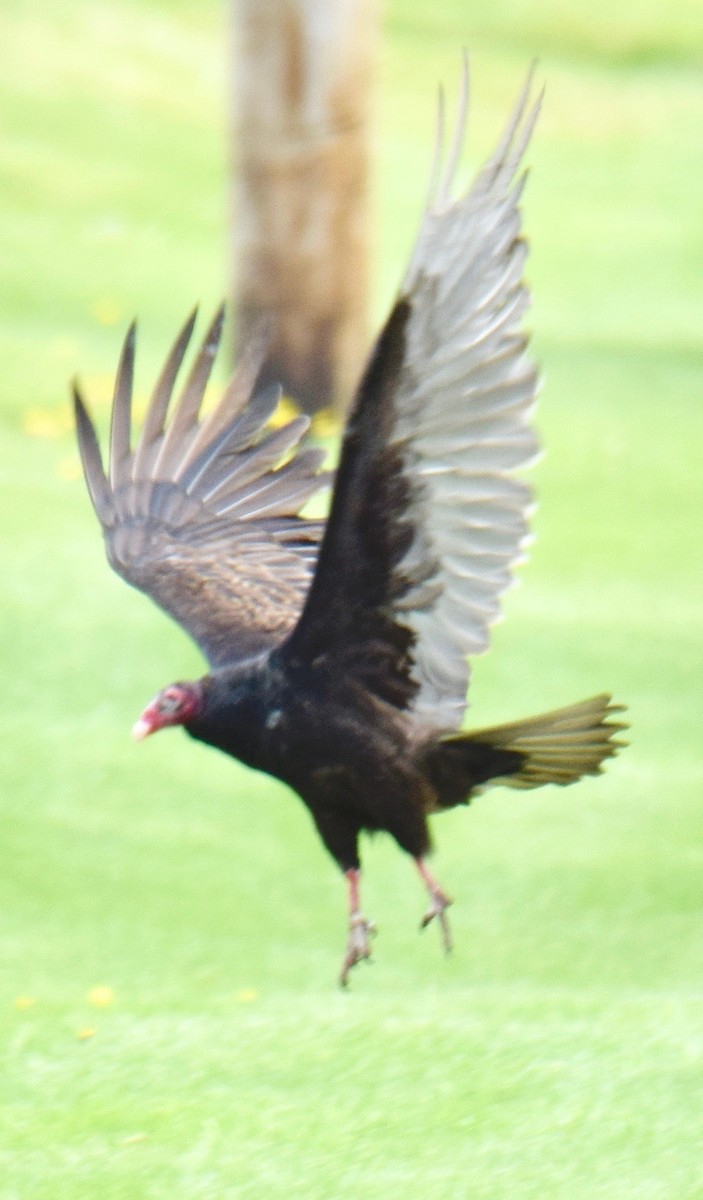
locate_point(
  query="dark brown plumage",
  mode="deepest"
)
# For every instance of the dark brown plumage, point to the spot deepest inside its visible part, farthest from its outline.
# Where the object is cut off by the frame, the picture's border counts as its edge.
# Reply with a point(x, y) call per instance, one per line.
point(339, 652)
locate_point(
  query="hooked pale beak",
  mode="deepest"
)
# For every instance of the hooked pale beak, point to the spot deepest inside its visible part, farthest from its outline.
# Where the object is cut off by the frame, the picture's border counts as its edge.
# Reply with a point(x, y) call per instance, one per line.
point(174, 705)
point(141, 729)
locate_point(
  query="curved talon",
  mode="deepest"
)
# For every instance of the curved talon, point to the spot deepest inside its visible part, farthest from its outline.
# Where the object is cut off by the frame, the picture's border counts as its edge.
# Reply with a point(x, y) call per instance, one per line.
point(438, 908)
point(358, 945)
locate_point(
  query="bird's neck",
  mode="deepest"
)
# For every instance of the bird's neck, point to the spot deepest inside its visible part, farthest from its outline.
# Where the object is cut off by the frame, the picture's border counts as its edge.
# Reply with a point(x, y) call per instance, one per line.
point(236, 705)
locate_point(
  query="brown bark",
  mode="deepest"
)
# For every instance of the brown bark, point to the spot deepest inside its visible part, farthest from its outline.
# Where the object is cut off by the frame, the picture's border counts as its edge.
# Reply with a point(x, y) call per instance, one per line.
point(300, 205)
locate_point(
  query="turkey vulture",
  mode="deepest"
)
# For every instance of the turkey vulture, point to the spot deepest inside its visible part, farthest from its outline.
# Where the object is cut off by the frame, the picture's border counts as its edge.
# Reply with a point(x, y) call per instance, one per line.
point(338, 651)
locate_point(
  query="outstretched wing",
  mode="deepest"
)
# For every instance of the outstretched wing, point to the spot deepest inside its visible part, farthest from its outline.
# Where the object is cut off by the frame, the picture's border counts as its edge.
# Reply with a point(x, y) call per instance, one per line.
point(427, 519)
point(202, 514)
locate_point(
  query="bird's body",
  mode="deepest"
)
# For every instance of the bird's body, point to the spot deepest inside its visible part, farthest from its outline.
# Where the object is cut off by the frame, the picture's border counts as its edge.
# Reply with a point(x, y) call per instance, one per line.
point(270, 719)
point(365, 766)
point(339, 651)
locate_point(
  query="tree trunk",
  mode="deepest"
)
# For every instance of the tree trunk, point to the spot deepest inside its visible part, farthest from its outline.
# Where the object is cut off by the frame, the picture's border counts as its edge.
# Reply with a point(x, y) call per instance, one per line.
point(300, 207)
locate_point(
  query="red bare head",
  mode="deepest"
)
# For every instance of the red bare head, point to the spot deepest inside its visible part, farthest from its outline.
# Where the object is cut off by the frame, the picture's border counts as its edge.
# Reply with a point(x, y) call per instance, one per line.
point(175, 705)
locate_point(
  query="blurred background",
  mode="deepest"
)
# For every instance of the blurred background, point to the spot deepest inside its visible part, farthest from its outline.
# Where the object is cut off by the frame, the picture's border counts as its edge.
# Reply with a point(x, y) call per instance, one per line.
point(169, 926)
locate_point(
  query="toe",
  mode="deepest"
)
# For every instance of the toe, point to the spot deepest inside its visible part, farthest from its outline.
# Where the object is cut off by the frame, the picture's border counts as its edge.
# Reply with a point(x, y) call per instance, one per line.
point(358, 946)
point(438, 909)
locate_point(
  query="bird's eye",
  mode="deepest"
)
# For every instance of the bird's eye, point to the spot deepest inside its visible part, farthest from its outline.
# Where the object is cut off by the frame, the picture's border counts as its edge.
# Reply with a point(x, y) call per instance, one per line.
point(170, 703)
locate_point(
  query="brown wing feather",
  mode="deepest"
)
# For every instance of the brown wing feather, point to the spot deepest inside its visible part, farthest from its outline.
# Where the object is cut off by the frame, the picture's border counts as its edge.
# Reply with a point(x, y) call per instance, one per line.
point(348, 627)
point(203, 514)
point(427, 519)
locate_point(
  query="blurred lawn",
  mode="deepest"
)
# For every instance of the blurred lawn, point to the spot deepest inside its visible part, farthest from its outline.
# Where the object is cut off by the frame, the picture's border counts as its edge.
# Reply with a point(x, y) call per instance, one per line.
point(170, 927)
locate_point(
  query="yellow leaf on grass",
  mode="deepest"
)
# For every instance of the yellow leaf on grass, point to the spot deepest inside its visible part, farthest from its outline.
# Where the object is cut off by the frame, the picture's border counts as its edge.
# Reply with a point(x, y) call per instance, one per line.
point(23, 1002)
point(101, 996)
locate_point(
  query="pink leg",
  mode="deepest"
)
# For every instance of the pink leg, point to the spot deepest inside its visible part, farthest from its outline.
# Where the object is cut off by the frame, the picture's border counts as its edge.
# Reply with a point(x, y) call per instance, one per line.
point(360, 930)
point(439, 903)
point(353, 878)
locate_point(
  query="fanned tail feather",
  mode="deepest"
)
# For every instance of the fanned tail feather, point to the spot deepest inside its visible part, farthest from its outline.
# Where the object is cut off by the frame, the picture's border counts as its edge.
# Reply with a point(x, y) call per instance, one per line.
point(558, 747)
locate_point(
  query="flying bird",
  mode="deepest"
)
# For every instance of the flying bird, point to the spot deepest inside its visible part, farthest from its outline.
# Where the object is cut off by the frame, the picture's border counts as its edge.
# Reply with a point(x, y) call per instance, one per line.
point(339, 651)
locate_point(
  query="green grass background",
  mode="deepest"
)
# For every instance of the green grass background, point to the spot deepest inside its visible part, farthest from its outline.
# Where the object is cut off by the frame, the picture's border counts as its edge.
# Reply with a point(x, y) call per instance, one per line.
point(170, 929)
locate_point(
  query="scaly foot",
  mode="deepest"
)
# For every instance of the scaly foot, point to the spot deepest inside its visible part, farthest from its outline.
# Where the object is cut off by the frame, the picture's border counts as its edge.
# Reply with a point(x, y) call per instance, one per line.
point(358, 945)
point(438, 908)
